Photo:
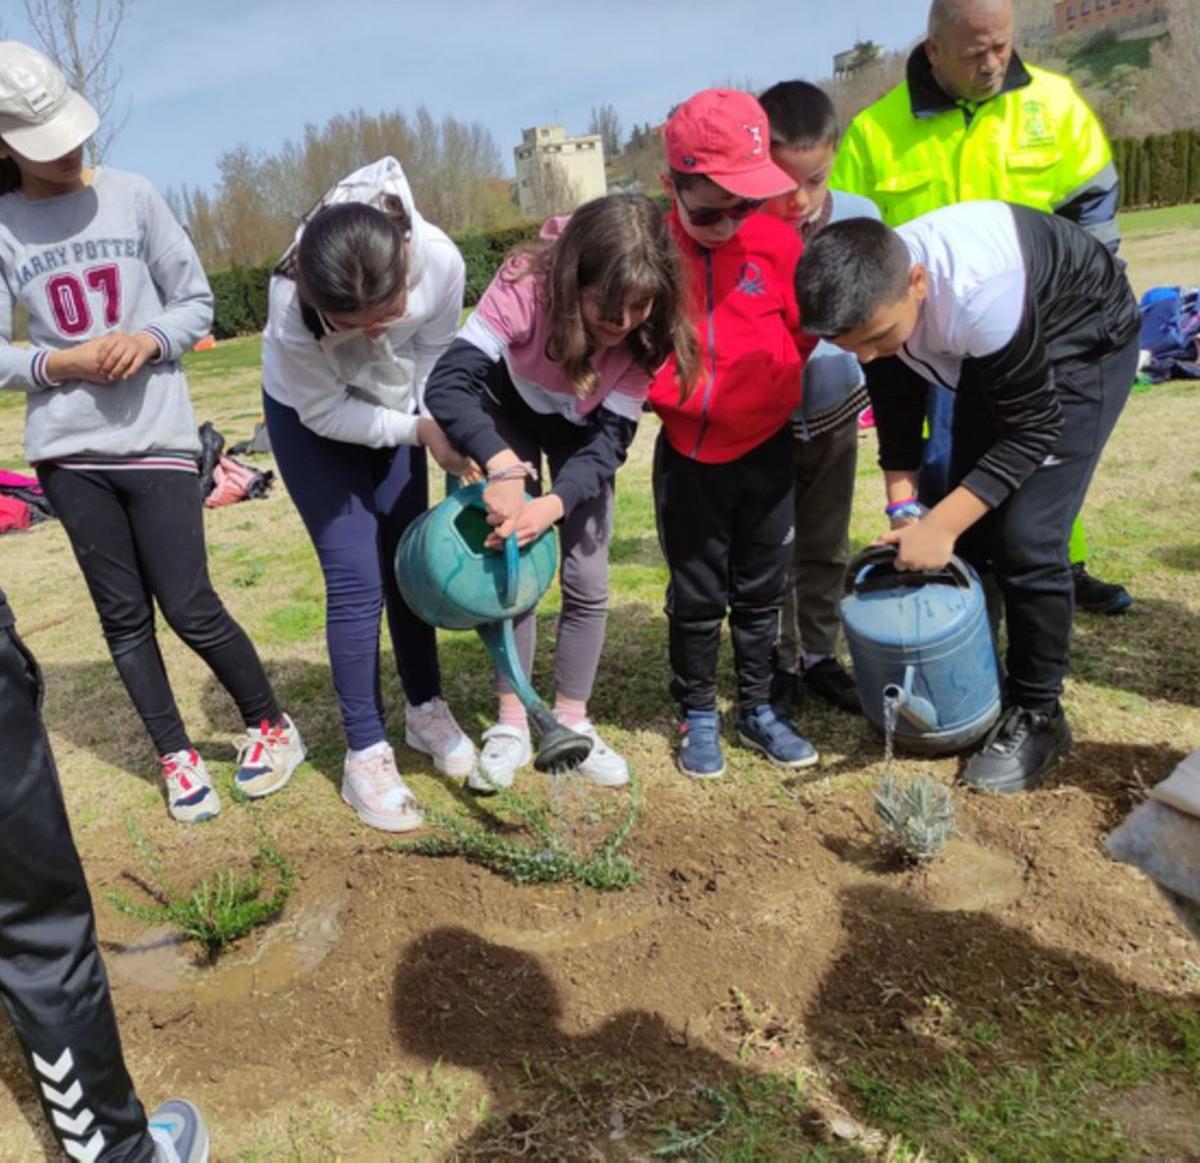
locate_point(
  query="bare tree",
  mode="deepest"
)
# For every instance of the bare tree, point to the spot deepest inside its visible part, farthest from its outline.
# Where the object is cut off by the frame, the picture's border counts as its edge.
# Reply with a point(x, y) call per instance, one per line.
point(552, 191)
point(81, 43)
point(1166, 98)
point(607, 124)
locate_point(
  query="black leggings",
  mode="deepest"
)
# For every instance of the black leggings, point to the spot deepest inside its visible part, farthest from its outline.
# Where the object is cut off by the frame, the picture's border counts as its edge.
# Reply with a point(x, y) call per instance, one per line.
point(138, 535)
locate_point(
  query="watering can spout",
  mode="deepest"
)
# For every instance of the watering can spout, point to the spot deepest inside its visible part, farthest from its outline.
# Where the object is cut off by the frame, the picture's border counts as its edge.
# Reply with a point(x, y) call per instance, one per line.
point(914, 709)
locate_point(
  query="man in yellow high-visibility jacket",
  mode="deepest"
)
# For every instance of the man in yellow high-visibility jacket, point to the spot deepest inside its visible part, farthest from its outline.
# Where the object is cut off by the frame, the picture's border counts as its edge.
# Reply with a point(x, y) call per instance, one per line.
point(973, 121)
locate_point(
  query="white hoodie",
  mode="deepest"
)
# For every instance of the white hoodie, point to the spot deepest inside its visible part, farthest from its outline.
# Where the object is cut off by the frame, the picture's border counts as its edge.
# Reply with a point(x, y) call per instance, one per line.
point(347, 386)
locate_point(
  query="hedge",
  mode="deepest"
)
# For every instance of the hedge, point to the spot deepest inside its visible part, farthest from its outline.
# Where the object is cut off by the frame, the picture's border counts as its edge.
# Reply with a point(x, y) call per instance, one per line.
point(1161, 170)
point(240, 294)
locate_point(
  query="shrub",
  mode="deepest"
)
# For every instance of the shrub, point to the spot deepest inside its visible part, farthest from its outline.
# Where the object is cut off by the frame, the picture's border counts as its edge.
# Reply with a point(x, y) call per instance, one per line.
point(917, 817)
point(484, 250)
point(546, 858)
point(221, 908)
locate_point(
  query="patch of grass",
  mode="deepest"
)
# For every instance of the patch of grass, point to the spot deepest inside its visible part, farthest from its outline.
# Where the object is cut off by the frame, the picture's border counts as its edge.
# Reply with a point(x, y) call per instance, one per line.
point(1098, 58)
point(230, 355)
point(221, 908)
point(546, 858)
point(1137, 223)
point(429, 1101)
point(297, 622)
point(1011, 1104)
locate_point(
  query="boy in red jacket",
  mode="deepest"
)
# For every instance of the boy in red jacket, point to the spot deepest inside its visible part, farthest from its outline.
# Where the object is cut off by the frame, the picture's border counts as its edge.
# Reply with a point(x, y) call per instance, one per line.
point(722, 465)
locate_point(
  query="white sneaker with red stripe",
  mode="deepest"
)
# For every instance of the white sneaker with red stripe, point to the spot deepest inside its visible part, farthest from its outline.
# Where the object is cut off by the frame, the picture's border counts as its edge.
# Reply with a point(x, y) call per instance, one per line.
point(191, 797)
point(267, 756)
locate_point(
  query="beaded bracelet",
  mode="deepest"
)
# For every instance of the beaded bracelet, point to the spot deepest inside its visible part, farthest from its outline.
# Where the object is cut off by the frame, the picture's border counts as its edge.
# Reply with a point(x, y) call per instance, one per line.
point(513, 472)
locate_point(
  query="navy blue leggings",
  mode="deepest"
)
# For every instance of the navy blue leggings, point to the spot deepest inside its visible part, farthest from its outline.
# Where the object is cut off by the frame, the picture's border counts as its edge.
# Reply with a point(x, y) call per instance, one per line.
point(356, 502)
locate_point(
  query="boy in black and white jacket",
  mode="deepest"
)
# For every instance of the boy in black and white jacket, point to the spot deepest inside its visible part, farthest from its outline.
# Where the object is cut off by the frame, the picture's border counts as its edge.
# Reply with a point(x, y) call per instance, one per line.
point(1035, 326)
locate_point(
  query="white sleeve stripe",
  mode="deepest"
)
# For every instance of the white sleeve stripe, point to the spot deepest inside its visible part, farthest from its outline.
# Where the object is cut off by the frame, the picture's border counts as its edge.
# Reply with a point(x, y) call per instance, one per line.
point(629, 407)
point(477, 333)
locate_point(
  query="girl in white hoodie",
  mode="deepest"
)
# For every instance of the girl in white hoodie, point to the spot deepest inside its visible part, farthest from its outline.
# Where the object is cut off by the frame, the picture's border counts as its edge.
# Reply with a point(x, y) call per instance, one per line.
point(361, 305)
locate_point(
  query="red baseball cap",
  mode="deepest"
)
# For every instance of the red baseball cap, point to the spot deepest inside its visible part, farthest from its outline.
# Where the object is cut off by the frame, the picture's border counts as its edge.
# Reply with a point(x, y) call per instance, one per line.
point(724, 135)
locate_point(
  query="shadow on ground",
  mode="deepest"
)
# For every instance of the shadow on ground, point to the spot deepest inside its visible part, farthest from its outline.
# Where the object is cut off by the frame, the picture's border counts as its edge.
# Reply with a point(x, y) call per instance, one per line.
point(632, 1084)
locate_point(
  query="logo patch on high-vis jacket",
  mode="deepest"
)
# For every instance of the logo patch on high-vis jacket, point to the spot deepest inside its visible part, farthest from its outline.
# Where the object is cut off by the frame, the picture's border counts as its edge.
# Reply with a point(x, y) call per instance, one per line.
point(1035, 130)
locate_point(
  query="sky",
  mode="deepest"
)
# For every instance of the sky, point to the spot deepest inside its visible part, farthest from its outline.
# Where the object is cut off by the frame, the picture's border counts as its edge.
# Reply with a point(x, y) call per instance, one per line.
point(202, 76)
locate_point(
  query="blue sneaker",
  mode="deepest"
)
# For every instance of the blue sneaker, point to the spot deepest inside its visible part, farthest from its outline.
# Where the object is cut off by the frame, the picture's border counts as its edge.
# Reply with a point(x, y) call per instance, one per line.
point(179, 1133)
point(768, 732)
point(700, 745)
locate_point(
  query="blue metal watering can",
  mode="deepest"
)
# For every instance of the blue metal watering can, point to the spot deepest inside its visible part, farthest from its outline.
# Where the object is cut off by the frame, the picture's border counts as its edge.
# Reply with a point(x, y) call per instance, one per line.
point(921, 643)
point(450, 580)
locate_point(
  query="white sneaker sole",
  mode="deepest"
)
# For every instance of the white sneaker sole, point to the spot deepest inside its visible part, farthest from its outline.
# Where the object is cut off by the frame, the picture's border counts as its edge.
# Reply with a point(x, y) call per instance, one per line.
point(456, 767)
point(794, 765)
point(700, 774)
point(478, 783)
point(207, 809)
point(603, 778)
point(384, 821)
point(289, 771)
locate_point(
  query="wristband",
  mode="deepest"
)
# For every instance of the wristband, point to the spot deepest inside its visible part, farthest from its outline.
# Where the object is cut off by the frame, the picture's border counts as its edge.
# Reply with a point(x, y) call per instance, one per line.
point(896, 506)
point(906, 510)
point(513, 472)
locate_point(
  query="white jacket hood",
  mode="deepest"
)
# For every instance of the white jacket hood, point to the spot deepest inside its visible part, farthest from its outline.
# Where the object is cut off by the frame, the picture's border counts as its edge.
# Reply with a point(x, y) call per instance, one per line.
point(371, 185)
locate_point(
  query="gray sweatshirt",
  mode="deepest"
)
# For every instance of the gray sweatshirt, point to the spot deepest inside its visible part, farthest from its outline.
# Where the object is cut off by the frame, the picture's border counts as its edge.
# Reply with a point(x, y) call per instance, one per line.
point(109, 257)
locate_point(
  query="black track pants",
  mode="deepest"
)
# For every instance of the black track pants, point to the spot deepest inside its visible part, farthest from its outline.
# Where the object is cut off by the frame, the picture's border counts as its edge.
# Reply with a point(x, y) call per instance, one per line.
point(52, 981)
point(726, 532)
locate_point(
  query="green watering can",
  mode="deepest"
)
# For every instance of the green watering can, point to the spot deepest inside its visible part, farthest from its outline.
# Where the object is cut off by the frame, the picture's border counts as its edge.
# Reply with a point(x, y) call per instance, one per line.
point(451, 581)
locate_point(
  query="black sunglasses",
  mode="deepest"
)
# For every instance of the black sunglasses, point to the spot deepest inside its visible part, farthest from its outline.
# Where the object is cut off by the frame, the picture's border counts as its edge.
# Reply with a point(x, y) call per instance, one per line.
point(710, 216)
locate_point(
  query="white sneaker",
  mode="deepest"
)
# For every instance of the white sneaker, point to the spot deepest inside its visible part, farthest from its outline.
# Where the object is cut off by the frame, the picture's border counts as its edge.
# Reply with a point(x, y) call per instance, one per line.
point(372, 786)
point(191, 797)
point(505, 750)
point(432, 730)
point(267, 756)
point(603, 765)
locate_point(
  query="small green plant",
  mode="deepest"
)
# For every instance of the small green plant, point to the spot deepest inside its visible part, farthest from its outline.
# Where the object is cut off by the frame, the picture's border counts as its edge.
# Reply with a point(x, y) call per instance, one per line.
point(917, 817)
point(681, 1142)
point(221, 908)
point(546, 858)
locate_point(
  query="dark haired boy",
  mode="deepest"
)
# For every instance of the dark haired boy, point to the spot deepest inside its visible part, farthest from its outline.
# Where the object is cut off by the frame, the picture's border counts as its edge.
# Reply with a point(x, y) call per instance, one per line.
point(1032, 322)
point(722, 463)
point(804, 140)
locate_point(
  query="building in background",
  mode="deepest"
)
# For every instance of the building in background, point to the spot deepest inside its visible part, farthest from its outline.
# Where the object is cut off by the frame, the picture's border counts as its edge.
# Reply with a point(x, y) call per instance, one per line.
point(556, 173)
point(864, 52)
point(1119, 15)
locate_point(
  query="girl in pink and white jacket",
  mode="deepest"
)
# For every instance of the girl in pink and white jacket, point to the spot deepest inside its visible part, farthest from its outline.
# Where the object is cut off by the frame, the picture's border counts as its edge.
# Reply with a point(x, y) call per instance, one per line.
point(556, 362)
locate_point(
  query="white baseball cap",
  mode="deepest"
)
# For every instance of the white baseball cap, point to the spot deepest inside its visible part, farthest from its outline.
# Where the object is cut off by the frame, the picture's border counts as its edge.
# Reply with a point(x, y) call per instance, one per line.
point(41, 116)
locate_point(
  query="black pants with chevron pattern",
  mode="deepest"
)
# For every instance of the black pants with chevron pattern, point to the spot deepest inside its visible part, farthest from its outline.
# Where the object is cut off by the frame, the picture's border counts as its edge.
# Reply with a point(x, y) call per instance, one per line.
point(52, 981)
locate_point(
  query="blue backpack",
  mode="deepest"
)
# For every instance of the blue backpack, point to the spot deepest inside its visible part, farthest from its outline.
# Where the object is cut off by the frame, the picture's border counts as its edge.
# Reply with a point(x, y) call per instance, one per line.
point(1171, 333)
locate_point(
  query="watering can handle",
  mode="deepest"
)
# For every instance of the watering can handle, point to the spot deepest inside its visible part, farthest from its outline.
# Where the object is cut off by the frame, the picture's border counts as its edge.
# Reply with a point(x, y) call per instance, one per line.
point(512, 570)
point(512, 552)
point(955, 569)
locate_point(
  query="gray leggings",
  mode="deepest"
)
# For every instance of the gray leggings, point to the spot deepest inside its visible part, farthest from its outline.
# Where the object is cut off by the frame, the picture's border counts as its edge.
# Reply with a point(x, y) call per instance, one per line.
point(583, 538)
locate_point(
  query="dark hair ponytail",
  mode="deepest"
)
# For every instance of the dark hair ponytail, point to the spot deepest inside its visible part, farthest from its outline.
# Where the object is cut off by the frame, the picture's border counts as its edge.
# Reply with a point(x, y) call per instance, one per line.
point(351, 257)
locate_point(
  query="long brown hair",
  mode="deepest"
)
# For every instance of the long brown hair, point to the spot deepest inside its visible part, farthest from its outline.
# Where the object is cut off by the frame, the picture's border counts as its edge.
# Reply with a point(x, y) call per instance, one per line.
point(618, 246)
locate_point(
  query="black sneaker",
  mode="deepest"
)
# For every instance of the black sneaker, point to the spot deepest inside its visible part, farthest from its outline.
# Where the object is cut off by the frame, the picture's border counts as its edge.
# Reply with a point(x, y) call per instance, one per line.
point(1096, 596)
point(1019, 750)
point(829, 680)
